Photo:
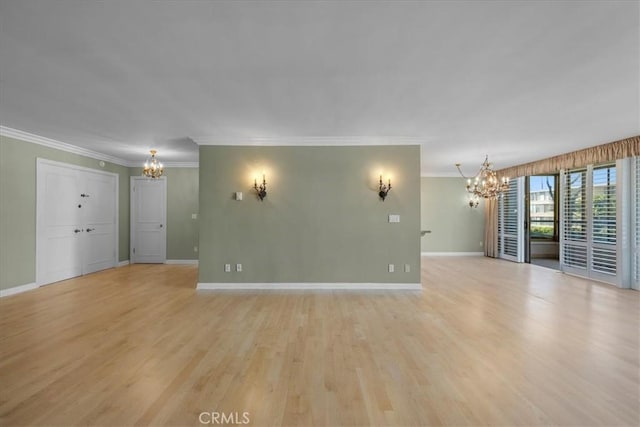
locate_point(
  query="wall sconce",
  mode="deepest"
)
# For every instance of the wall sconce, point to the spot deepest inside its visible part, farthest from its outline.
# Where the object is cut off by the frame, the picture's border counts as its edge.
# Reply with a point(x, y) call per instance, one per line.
point(383, 189)
point(262, 190)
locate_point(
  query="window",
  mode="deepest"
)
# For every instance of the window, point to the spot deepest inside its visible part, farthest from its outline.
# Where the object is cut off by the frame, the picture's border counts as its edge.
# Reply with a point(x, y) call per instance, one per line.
point(542, 207)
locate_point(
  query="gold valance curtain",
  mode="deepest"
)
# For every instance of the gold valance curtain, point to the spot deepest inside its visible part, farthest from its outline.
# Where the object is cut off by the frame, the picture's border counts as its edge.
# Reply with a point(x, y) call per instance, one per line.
point(628, 147)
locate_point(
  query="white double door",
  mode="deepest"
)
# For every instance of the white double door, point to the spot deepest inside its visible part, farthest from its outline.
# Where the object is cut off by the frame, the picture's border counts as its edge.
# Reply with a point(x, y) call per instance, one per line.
point(76, 224)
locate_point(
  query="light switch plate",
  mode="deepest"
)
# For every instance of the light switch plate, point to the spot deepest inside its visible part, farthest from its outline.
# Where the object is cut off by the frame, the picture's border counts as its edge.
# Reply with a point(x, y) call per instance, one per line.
point(394, 218)
point(238, 267)
point(392, 268)
point(227, 268)
point(238, 195)
point(194, 216)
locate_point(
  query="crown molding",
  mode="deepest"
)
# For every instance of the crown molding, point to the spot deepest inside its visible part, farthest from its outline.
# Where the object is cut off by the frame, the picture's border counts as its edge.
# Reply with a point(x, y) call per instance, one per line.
point(58, 145)
point(441, 175)
point(310, 141)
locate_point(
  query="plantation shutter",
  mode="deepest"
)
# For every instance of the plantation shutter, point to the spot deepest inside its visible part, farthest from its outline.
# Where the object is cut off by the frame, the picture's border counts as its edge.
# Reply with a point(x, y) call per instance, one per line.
point(511, 222)
point(589, 223)
point(636, 241)
point(603, 215)
point(574, 221)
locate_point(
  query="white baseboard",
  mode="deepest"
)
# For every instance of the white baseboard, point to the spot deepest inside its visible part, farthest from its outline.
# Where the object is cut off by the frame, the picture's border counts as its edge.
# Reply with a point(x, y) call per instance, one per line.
point(182, 261)
point(311, 286)
point(18, 289)
point(452, 254)
point(123, 263)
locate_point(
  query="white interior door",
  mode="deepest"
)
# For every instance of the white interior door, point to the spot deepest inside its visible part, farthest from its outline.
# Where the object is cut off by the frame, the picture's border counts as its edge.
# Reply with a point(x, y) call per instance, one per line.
point(59, 225)
point(99, 204)
point(148, 220)
point(76, 221)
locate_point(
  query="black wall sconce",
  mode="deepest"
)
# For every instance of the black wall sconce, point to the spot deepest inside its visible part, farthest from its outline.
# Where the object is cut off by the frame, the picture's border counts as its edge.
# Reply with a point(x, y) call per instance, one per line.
point(262, 190)
point(384, 189)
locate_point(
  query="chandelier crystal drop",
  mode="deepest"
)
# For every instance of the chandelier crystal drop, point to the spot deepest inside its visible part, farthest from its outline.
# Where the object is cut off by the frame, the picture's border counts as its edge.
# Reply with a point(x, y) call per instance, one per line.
point(485, 184)
point(152, 167)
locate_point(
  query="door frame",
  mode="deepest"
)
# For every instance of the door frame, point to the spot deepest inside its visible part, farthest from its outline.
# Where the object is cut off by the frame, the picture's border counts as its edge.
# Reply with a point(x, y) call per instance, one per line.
point(43, 163)
point(132, 223)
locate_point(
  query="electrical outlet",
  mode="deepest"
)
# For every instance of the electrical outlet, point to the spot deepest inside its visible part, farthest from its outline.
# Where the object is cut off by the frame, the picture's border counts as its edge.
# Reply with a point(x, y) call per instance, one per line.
point(392, 268)
point(195, 249)
point(407, 268)
point(227, 268)
point(194, 216)
point(238, 267)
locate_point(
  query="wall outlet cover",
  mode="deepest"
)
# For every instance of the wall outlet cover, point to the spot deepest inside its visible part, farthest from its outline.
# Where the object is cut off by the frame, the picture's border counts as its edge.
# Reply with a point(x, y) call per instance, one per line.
point(392, 268)
point(227, 268)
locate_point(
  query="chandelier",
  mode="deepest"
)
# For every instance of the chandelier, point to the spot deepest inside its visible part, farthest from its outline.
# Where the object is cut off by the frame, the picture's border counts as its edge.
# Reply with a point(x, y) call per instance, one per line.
point(152, 167)
point(485, 184)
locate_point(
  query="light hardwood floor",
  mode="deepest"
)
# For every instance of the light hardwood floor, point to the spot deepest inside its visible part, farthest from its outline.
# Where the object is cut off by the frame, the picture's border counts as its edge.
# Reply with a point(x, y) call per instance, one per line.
point(487, 342)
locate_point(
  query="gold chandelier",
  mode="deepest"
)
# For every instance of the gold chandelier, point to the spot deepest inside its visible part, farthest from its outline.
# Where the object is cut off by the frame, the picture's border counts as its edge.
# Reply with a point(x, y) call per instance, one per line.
point(485, 184)
point(152, 167)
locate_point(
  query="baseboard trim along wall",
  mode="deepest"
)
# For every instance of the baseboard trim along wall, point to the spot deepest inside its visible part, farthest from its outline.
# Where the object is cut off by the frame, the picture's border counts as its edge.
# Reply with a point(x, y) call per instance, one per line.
point(18, 289)
point(452, 254)
point(123, 263)
point(311, 286)
point(182, 261)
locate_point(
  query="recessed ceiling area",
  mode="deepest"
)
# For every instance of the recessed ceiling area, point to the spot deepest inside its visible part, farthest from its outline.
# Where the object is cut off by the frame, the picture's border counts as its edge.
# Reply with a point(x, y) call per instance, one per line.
point(519, 81)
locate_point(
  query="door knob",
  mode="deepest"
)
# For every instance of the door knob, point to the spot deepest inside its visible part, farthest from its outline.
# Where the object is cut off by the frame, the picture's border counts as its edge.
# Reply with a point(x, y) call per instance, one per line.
point(90, 229)
point(77, 230)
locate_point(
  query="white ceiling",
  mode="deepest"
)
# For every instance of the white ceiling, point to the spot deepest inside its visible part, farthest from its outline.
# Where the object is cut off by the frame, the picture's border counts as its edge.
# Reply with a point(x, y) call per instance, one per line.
point(516, 80)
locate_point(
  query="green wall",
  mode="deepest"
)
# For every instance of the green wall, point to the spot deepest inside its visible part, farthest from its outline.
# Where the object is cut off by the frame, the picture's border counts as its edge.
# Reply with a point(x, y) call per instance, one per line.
point(322, 220)
point(182, 202)
point(455, 227)
point(18, 206)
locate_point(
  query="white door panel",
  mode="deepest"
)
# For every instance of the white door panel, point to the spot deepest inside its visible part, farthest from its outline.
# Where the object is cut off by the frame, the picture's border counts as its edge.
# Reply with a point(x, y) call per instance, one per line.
point(99, 199)
point(63, 248)
point(61, 197)
point(99, 253)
